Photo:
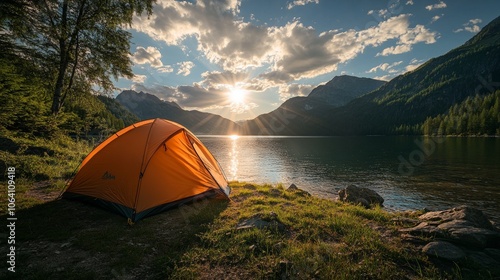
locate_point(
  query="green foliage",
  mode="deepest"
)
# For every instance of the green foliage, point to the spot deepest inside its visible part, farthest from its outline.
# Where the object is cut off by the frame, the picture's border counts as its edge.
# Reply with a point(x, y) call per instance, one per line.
point(118, 110)
point(24, 102)
point(85, 114)
point(478, 115)
point(77, 45)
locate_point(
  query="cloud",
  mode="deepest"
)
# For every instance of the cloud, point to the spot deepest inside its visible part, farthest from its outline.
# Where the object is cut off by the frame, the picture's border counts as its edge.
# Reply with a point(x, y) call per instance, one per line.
point(186, 96)
point(393, 70)
point(290, 52)
point(149, 55)
point(440, 5)
point(385, 67)
point(414, 64)
point(380, 14)
point(412, 36)
point(139, 78)
point(185, 68)
point(300, 3)
point(283, 54)
point(470, 26)
point(409, 2)
point(222, 37)
point(292, 90)
point(165, 69)
point(398, 49)
point(216, 79)
point(436, 18)
point(384, 78)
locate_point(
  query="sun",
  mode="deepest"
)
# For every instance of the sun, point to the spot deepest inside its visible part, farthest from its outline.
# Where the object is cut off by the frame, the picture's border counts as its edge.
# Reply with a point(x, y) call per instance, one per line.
point(237, 95)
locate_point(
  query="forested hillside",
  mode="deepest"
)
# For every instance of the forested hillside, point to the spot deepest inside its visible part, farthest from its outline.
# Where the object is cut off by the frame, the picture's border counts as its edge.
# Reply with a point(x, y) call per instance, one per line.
point(478, 115)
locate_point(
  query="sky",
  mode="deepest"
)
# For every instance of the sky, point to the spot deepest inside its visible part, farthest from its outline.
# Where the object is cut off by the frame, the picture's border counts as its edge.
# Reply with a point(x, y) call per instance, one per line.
point(243, 58)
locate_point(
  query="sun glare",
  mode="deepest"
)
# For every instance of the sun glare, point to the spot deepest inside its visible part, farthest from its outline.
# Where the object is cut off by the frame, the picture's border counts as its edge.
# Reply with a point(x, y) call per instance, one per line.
point(234, 136)
point(237, 95)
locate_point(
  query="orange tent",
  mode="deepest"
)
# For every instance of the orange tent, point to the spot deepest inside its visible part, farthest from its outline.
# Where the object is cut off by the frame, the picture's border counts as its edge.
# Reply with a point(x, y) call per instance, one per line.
point(146, 168)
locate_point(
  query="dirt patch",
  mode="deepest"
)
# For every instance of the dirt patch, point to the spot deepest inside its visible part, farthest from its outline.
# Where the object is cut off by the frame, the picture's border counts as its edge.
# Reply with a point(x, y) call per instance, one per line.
point(41, 191)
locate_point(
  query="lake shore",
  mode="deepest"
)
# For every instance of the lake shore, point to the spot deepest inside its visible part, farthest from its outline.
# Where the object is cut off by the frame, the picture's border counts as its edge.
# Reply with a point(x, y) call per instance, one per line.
point(265, 231)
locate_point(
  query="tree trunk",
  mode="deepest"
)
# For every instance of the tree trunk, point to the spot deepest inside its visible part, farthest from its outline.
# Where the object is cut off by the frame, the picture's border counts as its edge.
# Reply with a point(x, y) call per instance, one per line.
point(57, 98)
point(63, 62)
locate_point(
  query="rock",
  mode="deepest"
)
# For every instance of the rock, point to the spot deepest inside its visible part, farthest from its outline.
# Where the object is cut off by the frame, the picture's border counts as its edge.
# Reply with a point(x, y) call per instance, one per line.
point(413, 239)
point(465, 213)
point(483, 260)
point(424, 229)
point(258, 221)
point(363, 196)
point(295, 189)
point(494, 253)
point(444, 250)
point(476, 237)
point(455, 224)
point(405, 220)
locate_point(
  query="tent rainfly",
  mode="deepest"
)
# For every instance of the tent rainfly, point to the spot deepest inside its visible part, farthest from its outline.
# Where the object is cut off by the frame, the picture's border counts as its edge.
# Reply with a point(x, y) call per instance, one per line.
point(147, 168)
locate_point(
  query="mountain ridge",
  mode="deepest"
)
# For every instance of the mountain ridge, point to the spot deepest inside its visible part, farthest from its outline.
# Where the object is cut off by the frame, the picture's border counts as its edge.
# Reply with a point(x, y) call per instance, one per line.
point(149, 106)
point(305, 112)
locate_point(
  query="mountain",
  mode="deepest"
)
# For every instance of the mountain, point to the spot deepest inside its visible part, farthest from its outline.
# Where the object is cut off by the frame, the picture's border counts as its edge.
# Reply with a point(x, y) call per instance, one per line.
point(342, 89)
point(440, 83)
point(305, 115)
point(403, 104)
point(148, 106)
point(118, 110)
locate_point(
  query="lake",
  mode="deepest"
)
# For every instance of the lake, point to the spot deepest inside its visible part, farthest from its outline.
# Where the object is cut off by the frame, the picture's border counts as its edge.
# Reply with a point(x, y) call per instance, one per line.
point(409, 172)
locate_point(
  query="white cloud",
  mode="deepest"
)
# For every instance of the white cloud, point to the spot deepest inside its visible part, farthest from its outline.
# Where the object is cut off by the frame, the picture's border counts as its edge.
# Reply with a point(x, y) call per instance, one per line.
point(412, 36)
point(470, 26)
point(291, 52)
point(393, 70)
point(286, 53)
point(149, 55)
point(398, 49)
point(300, 3)
point(197, 97)
point(185, 68)
point(409, 2)
point(385, 67)
point(186, 96)
point(435, 18)
point(381, 14)
point(139, 79)
point(384, 78)
point(440, 5)
point(222, 37)
point(165, 69)
point(292, 90)
point(216, 79)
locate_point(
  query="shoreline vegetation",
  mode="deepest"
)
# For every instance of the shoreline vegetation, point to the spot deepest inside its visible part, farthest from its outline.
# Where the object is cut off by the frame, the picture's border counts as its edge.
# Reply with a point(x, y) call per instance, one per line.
point(264, 232)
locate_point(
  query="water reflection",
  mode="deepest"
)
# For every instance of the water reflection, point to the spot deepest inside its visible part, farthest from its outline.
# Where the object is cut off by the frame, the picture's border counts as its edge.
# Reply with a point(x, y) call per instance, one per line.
point(233, 158)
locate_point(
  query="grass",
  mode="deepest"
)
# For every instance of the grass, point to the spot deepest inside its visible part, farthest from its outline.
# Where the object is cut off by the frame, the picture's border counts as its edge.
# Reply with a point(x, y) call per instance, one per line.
point(43, 166)
point(319, 239)
point(322, 239)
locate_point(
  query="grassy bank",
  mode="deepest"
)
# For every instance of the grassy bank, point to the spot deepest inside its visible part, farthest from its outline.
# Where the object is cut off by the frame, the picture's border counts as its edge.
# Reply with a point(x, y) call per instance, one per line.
point(305, 238)
point(42, 166)
point(321, 239)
